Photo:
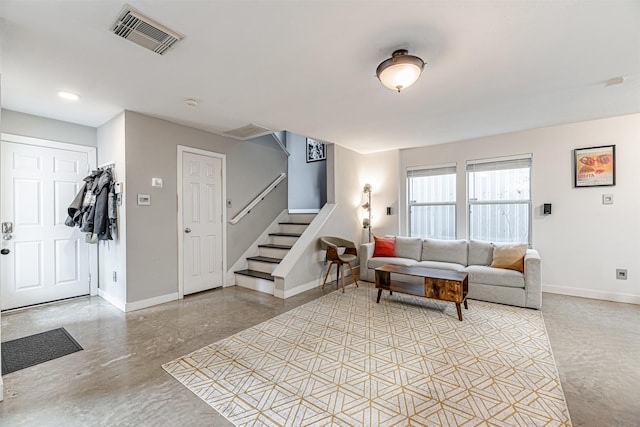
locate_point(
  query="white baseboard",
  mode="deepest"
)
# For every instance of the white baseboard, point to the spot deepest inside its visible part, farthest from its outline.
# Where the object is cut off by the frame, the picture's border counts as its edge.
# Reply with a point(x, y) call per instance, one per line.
point(120, 305)
point(297, 290)
point(149, 302)
point(593, 294)
point(1, 390)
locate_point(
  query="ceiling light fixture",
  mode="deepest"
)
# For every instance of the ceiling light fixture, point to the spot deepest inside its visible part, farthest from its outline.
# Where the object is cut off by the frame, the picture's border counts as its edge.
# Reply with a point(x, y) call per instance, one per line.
point(69, 96)
point(400, 71)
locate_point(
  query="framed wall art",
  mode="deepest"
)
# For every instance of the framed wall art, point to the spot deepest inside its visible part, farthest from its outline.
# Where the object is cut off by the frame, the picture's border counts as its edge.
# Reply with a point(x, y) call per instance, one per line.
point(594, 166)
point(316, 150)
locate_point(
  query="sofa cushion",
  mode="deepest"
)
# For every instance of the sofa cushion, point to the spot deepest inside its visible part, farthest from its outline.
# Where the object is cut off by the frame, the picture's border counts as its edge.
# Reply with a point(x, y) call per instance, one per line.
point(380, 261)
point(408, 247)
point(441, 265)
point(509, 255)
point(495, 276)
point(383, 247)
point(480, 252)
point(445, 250)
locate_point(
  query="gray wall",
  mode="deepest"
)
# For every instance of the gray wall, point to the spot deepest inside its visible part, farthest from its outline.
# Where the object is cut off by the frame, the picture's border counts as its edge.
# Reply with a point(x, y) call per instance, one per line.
point(23, 124)
point(152, 242)
point(310, 179)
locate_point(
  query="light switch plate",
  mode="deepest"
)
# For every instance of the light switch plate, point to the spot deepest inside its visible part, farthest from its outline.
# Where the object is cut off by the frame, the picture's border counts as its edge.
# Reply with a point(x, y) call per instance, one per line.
point(156, 182)
point(607, 199)
point(144, 200)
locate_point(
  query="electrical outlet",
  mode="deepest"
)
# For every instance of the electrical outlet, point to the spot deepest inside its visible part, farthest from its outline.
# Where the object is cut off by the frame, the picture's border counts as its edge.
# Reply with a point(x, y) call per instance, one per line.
point(621, 274)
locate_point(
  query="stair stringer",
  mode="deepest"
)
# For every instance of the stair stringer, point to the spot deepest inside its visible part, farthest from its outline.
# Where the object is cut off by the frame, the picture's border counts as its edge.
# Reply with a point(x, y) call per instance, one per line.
point(306, 250)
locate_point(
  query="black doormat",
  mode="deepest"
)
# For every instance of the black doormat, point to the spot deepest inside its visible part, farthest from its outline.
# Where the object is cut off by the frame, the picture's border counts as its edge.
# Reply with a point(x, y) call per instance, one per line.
point(32, 350)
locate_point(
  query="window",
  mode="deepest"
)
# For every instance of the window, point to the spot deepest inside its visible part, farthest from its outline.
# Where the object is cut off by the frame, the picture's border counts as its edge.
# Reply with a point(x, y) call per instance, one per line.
point(500, 199)
point(432, 201)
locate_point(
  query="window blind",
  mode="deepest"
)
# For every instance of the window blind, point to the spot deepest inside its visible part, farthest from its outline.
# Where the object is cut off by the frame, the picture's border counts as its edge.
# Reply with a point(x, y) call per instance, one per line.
point(520, 162)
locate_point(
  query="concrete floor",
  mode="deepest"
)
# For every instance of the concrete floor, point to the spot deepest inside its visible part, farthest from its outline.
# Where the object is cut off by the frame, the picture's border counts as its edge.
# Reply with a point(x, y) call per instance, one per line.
point(117, 379)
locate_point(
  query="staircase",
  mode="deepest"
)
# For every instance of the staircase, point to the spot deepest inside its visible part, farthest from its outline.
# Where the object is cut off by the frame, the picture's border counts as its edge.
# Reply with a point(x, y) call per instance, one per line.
point(258, 276)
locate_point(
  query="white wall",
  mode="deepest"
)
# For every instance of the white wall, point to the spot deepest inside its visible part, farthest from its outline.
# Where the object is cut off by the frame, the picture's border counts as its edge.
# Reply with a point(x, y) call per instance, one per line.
point(381, 170)
point(583, 241)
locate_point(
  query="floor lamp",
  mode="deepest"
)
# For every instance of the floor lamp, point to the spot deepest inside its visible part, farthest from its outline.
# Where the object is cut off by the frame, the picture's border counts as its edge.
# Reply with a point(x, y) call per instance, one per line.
point(366, 222)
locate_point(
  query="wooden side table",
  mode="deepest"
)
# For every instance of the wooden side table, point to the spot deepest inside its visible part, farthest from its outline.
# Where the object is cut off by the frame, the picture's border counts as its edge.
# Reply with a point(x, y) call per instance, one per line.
point(443, 285)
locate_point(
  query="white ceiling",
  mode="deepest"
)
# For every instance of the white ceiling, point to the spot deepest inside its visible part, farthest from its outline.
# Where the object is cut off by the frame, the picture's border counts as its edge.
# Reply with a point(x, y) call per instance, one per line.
point(309, 66)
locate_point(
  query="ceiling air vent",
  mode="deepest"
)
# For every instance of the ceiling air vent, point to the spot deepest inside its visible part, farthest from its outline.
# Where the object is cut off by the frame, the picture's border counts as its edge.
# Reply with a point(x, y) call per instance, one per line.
point(141, 30)
point(248, 132)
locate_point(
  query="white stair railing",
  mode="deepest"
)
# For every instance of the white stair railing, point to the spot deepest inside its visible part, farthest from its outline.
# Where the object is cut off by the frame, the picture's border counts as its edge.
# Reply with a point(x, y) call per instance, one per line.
point(258, 199)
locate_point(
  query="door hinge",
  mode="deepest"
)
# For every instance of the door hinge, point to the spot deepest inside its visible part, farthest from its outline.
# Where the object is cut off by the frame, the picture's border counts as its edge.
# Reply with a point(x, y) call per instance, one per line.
point(89, 279)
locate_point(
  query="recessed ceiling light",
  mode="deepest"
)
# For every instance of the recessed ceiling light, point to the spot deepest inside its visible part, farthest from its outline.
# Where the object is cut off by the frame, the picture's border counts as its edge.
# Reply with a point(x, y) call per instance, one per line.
point(192, 102)
point(69, 96)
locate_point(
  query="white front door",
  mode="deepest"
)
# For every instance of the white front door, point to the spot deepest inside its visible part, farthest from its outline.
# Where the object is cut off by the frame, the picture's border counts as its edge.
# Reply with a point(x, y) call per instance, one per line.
point(202, 215)
point(43, 259)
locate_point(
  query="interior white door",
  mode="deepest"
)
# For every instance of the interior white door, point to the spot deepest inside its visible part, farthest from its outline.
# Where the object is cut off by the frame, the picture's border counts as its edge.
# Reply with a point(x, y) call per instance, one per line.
point(46, 260)
point(202, 222)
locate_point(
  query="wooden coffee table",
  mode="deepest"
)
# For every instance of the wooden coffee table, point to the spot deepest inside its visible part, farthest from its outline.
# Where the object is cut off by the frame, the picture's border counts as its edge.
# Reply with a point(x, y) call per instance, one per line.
point(444, 285)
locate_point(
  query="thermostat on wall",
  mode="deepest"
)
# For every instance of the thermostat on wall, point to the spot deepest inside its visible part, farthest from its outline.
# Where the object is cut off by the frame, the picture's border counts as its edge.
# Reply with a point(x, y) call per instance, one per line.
point(144, 200)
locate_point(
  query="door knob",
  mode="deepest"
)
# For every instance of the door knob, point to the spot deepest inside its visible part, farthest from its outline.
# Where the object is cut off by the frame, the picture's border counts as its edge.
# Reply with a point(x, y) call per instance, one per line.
point(4, 251)
point(187, 230)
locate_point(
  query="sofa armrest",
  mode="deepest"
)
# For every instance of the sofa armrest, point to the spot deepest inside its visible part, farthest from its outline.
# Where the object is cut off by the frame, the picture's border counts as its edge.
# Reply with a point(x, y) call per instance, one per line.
point(366, 252)
point(533, 279)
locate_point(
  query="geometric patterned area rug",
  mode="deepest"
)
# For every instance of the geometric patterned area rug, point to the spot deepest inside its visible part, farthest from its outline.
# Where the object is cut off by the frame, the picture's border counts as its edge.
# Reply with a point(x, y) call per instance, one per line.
point(344, 360)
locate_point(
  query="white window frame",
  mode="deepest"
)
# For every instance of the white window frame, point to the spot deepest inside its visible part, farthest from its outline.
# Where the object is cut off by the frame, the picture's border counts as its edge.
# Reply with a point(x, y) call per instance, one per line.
point(432, 170)
point(499, 163)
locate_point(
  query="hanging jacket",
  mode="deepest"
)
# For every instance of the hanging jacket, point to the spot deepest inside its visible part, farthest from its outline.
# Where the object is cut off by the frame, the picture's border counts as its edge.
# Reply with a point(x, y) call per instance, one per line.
point(81, 204)
point(101, 208)
point(90, 209)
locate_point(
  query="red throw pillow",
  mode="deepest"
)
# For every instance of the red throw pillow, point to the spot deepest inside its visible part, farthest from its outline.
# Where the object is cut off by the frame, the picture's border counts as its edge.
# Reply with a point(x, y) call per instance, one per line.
point(384, 246)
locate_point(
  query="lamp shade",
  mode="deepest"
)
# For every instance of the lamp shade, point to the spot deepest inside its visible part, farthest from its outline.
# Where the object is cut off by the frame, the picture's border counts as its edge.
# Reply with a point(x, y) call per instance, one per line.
point(400, 71)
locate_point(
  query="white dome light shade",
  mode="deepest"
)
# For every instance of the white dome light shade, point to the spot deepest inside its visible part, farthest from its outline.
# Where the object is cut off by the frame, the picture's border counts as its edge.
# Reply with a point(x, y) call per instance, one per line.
point(400, 71)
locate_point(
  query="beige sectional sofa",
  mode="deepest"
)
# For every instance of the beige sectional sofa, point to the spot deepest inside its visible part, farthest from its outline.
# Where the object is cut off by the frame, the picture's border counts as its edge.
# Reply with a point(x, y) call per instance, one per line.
point(486, 283)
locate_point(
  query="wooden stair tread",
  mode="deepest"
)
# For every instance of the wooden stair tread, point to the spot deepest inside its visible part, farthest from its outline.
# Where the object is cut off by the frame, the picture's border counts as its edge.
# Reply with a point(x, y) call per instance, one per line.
point(295, 223)
point(256, 274)
point(272, 246)
point(265, 259)
point(286, 234)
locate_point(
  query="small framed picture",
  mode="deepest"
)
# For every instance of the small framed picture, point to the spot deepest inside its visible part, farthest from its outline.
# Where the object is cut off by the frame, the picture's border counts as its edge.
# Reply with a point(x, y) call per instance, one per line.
point(316, 150)
point(594, 166)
